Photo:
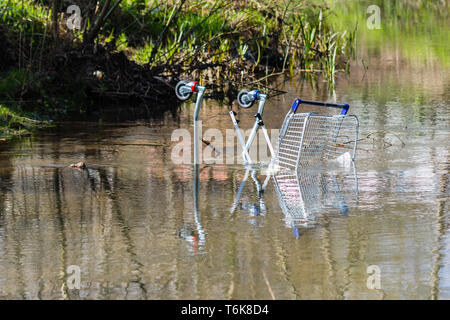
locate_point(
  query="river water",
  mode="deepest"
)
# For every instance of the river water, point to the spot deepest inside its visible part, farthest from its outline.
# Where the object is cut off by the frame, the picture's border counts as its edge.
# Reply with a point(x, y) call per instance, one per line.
point(135, 228)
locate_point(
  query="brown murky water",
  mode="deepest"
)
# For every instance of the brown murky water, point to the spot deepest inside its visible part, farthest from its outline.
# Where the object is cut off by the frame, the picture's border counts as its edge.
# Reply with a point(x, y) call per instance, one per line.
point(133, 226)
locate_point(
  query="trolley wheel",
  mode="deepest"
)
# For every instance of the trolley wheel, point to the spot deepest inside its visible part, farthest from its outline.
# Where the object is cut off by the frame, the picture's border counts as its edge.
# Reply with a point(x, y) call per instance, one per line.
point(182, 95)
point(240, 100)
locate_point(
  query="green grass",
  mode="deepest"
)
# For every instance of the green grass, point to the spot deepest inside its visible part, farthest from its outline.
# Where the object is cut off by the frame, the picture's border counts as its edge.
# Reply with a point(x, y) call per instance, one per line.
point(215, 31)
point(13, 124)
point(159, 32)
point(24, 16)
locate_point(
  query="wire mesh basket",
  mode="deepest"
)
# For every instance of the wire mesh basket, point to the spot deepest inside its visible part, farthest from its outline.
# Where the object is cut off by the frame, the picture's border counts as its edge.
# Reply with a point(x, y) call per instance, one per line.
point(309, 138)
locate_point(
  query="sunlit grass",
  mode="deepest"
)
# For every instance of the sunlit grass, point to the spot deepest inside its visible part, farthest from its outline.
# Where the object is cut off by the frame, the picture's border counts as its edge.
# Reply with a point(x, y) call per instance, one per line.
point(164, 32)
point(13, 124)
point(24, 16)
point(216, 31)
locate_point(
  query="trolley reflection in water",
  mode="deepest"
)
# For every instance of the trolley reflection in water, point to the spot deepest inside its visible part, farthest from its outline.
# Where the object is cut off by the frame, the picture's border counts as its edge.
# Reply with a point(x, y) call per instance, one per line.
point(255, 209)
point(194, 235)
point(304, 196)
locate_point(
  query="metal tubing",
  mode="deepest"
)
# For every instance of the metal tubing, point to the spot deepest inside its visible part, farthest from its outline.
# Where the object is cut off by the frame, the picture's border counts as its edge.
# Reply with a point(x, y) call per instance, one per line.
point(323, 104)
point(344, 107)
point(356, 137)
point(262, 102)
point(269, 143)
point(305, 124)
point(198, 105)
point(285, 124)
point(241, 139)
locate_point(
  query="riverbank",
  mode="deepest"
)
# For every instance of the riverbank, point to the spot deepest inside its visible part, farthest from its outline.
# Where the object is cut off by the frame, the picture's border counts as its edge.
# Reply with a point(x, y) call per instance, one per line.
point(134, 52)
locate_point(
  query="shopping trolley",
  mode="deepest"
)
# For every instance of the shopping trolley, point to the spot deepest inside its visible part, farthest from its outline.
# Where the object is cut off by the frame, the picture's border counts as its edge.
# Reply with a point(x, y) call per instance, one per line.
point(305, 139)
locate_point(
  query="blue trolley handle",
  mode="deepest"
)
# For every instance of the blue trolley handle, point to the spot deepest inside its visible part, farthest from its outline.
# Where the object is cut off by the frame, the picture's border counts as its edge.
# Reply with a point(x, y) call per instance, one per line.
point(344, 107)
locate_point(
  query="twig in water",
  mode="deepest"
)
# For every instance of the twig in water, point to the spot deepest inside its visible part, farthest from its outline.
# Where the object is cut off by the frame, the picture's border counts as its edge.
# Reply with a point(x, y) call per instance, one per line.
point(209, 144)
point(384, 132)
point(268, 285)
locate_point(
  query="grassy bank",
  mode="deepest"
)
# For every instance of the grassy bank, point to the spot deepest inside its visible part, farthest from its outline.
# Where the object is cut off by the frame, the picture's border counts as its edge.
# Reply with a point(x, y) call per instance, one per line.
point(12, 124)
point(136, 50)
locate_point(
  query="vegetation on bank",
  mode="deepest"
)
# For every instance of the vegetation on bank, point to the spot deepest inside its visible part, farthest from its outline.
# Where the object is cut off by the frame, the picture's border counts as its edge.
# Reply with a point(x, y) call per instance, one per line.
point(12, 124)
point(136, 50)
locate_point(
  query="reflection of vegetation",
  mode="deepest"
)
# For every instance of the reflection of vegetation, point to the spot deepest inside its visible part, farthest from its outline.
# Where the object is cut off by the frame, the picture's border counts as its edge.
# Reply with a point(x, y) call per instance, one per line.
point(420, 29)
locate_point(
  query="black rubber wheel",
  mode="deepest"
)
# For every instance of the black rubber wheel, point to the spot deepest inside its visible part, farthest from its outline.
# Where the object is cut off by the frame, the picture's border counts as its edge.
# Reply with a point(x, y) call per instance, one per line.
point(180, 95)
point(242, 103)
